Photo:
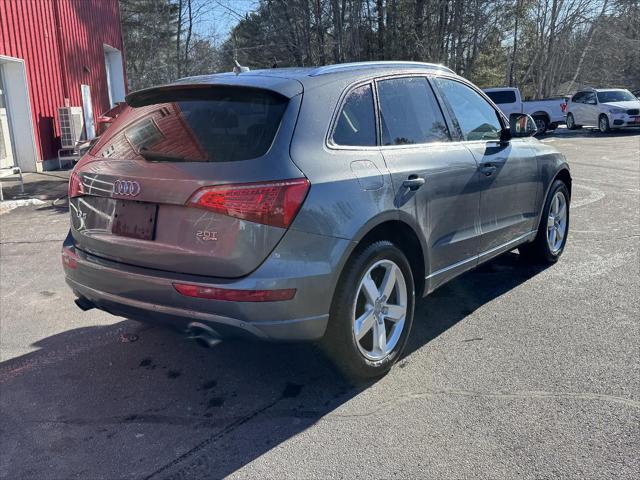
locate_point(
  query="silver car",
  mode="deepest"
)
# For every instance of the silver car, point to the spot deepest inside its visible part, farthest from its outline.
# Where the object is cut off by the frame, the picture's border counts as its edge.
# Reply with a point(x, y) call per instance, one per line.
point(307, 203)
point(608, 109)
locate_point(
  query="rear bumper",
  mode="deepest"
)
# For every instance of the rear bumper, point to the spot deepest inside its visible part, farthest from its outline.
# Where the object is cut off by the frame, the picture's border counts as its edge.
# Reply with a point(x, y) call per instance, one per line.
point(309, 263)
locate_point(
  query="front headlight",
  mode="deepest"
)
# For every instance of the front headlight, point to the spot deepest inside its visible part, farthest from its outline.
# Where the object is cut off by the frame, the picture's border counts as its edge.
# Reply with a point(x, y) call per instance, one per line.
point(616, 110)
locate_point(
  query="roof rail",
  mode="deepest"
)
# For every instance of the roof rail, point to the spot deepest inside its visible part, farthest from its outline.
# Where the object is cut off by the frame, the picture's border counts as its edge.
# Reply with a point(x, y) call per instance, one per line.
point(339, 67)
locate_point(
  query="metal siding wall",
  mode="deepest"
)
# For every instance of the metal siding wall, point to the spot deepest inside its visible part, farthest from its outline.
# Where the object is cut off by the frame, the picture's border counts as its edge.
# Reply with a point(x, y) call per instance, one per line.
point(28, 31)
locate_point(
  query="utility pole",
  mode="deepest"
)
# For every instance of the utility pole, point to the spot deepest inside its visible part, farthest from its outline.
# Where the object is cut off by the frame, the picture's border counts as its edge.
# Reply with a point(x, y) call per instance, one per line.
point(515, 45)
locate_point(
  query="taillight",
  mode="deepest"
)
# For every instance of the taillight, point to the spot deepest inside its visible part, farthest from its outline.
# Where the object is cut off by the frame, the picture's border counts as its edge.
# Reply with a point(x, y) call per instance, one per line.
point(270, 203)
point(234, 295)
point(76, 188)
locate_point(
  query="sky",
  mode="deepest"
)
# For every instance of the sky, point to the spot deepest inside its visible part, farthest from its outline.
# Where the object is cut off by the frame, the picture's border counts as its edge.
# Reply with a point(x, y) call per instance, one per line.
point(223, 15)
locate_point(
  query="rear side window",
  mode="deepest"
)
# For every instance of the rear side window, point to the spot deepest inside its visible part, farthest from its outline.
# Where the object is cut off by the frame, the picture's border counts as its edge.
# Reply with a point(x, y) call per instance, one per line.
point(221, 124)
point(356, 124)
point(578, 97)
point(508, 96)
point(475, 117)
point(409, 112)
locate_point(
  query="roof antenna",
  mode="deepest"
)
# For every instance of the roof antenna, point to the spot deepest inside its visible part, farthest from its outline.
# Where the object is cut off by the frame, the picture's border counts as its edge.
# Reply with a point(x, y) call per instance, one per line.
point(237, 69)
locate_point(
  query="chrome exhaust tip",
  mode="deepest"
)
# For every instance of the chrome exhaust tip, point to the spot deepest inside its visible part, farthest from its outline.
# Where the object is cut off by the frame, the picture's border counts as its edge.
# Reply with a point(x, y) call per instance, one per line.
point(203, 334)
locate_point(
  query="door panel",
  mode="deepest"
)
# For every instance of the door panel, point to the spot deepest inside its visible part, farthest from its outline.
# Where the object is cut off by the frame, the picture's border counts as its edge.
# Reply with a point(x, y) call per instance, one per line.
point(446, 206)
point(578, 113)
point(509, 189)
point(507, 171)
point(590, 114)
point(435, 179)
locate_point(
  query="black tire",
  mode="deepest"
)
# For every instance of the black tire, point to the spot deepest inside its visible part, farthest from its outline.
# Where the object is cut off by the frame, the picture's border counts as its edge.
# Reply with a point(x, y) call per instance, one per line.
point(538, 251)
point(603, 124)
point(571, 122)
point(542, 123)
point(339, 341)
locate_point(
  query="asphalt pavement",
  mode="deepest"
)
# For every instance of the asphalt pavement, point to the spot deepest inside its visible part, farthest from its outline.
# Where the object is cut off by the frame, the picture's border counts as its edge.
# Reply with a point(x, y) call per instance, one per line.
point(511, 370)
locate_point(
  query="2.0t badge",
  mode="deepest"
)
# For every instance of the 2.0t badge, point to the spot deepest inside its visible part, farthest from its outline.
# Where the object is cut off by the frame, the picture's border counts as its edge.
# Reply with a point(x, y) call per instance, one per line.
point(128, 188)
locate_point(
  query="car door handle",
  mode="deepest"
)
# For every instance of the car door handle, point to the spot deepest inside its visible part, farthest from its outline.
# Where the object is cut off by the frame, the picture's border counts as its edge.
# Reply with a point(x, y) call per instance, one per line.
point(413, 182)
point(488, 168)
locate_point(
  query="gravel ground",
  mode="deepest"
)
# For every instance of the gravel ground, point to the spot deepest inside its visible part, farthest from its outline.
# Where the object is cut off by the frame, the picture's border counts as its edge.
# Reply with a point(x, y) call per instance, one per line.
point(511, 371)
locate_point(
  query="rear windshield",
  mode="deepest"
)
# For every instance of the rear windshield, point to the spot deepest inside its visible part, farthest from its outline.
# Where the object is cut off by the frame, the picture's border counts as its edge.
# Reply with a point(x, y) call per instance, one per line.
point(221, 124)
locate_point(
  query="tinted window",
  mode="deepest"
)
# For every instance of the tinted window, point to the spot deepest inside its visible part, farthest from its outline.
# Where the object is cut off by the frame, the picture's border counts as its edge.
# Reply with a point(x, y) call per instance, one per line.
point(502, 97)
point(615, 96)
point(475, 117)
point(409, 112)
point(214, 125)
point(356, 124)
point(578, 97)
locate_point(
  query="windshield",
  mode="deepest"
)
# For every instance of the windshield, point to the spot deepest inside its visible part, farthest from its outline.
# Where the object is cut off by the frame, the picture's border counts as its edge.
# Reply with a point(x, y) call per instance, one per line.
point(220, 124)
point(615, 96)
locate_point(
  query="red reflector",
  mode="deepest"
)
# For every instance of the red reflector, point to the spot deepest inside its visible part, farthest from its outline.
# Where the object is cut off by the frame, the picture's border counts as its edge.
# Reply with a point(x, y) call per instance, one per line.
point(229, 295)
point(76, 188)
point(69, 259)
point(271, 203)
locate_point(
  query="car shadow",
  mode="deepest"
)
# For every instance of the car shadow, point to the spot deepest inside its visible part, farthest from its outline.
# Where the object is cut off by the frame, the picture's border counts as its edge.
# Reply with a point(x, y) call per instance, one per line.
point(590, 132)
point(135, 401)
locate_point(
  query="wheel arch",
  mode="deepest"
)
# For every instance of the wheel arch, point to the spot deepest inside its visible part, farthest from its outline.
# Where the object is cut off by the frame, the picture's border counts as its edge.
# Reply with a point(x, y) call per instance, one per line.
point(542, 113)
point(563, 174)
point(399, 229)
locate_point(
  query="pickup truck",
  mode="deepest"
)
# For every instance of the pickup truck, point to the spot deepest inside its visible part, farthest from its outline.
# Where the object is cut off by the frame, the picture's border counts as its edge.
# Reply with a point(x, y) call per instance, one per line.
point(548, 113)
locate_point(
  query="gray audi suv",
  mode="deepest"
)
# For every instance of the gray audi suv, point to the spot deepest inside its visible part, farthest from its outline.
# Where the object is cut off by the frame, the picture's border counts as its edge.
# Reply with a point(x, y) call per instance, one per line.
point(307, 203)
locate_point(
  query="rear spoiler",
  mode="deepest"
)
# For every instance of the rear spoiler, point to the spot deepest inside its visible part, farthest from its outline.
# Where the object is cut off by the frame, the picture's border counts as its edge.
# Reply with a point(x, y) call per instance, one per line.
point(286, 87)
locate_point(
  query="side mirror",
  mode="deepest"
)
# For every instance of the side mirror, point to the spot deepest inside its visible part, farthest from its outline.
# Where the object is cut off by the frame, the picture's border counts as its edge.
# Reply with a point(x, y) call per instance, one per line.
point(522, 125)
point(592, 102)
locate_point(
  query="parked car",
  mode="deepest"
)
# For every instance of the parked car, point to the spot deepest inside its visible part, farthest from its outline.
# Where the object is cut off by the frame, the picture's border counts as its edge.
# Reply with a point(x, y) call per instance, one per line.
point(606, 108)
point(306, 204)
point(548, 113)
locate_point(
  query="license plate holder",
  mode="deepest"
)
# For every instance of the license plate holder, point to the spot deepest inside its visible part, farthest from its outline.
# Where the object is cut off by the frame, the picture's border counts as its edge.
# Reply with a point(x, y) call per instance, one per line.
point(135, 219)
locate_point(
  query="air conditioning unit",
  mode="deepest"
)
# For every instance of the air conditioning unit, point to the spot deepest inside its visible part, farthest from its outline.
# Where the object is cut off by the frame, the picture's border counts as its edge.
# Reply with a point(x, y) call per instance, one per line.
point(71, 126)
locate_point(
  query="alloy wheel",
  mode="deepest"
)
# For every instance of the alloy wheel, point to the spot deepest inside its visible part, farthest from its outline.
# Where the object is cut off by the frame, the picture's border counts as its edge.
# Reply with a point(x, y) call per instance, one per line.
point(557, 222)
point(604, 124)
point(570, 122)
point(380, 310)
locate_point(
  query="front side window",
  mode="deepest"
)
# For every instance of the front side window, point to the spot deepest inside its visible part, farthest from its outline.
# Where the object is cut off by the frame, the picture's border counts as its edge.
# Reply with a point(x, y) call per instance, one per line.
point(590, 98)
point(356, 124)
point(409, 112)
point(475, 117)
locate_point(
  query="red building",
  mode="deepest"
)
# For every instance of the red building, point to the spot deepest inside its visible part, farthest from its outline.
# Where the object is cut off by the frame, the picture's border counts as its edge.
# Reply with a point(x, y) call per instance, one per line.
point(55, 53)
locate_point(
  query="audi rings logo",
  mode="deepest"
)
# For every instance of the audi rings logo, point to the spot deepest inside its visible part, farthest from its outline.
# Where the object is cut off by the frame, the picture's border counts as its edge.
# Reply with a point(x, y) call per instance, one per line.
point(127, 188)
